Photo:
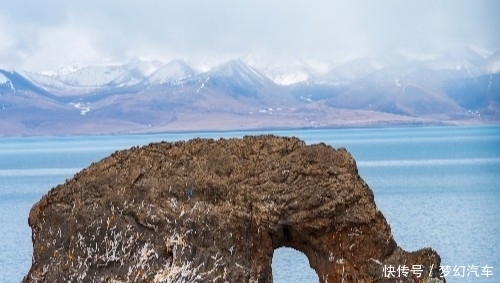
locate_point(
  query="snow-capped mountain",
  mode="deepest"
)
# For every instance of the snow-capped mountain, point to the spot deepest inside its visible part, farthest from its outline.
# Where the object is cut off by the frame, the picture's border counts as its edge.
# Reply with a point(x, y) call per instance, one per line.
point(464, 61)
point(233, 79)
point(232, 85)
point(237, 72)
point(462, 85)
point(79, 80)
point(49, 82)
point(461, 58)
point(15, 82)
point(353, 70)
point(172, 72)
point(105, 76)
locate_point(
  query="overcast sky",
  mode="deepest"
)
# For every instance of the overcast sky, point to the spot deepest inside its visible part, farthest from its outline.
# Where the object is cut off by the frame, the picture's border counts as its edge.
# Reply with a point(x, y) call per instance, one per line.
point(46, 35)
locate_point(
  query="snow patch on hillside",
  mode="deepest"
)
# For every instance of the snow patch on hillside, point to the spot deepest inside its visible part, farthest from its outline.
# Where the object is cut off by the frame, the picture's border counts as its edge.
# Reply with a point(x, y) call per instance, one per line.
point(288, 75)
point(83, 109)
point(4, 81)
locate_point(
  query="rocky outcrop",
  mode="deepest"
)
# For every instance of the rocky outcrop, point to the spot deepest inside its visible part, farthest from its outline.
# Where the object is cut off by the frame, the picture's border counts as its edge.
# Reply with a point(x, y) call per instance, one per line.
point(214, 211)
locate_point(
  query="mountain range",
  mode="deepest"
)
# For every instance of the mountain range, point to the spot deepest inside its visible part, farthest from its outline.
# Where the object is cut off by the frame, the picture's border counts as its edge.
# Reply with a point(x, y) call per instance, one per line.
point(459, 87)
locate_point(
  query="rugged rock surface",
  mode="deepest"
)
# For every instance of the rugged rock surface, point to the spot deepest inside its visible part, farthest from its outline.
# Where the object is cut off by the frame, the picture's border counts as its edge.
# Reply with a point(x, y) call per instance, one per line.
point(214, 211)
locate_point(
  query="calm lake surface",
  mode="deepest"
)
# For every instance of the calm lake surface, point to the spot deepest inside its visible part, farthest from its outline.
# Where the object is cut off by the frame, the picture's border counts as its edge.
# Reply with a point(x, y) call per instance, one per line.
point(436, 186)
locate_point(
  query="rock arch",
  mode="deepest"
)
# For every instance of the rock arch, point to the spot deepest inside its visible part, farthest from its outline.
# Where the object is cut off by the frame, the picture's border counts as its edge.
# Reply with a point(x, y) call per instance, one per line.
point(214, 211)
point(292, 266)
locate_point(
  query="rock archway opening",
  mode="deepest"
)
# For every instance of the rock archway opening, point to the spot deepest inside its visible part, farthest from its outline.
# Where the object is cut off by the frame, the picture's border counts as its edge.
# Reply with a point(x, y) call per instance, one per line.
point(292, 266)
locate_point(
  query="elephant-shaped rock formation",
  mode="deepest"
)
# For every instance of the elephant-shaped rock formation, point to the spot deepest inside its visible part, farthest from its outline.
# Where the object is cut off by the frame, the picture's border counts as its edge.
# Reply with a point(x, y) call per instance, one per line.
point(214, 211)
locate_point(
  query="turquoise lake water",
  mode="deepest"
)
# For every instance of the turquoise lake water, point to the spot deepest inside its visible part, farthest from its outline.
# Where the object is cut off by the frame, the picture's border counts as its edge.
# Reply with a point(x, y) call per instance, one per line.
point(436, 186)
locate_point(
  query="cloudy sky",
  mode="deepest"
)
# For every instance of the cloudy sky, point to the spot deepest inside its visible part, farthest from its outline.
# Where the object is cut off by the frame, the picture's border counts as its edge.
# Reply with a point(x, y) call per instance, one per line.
point(47, 35)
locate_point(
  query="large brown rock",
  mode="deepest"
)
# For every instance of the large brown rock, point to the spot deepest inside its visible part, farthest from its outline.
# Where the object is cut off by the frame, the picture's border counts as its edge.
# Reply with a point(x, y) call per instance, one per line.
point(214, 211)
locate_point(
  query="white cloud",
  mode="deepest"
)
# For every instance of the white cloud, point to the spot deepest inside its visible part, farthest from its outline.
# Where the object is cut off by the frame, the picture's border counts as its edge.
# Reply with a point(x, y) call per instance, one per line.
point(7, 41)
point(56, 47)
point(41, 35)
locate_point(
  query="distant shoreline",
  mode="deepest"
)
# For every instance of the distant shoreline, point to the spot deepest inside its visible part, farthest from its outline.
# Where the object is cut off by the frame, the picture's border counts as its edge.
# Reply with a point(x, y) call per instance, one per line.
point(177, 130)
